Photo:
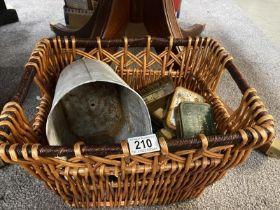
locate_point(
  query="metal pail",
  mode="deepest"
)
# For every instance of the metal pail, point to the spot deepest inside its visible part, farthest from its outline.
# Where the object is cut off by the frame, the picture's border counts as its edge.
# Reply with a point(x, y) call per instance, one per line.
point(93, 104)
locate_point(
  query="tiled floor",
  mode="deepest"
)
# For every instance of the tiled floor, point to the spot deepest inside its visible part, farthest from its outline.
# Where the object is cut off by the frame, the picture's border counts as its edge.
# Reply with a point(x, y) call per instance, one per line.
point(265, 14)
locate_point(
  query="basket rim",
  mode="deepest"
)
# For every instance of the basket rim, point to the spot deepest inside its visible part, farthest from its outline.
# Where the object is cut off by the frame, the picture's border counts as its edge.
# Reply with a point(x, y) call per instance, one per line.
point(104, 150)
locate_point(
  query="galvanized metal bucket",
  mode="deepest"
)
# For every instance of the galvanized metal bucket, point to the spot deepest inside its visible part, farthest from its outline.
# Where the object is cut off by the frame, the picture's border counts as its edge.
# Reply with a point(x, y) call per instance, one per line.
point(93, 104)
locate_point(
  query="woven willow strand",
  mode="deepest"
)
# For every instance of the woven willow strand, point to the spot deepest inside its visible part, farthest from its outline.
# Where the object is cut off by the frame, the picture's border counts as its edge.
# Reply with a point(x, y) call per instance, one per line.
point(120, 179)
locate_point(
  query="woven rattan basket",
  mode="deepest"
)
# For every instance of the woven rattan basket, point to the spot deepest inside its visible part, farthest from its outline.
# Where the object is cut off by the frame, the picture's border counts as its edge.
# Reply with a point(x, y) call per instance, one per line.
point(95, 176)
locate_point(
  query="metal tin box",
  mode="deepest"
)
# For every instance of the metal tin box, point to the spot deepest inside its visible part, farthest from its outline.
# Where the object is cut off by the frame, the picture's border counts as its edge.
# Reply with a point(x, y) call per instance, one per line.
point(154, 93)
point(181, 94)
point(193, 119)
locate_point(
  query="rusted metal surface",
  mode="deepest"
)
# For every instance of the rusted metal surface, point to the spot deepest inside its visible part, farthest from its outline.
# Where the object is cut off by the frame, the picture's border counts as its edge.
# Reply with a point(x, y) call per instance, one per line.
point(94, 110)
point(93, 104)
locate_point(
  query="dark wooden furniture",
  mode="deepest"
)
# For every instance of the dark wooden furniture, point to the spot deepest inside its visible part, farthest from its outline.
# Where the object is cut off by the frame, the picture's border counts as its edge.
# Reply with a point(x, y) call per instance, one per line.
point(7, 15)
point(112, 16)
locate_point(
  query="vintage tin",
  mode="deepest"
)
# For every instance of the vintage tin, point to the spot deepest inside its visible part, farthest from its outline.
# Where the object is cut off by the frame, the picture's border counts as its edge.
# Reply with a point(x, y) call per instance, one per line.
point(193, 119)
point(181, 94)
point(166, 133)
point(154, 93)
point(93, 104)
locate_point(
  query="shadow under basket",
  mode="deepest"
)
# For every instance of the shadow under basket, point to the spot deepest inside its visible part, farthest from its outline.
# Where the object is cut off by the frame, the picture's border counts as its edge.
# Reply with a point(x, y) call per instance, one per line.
point(104, 175)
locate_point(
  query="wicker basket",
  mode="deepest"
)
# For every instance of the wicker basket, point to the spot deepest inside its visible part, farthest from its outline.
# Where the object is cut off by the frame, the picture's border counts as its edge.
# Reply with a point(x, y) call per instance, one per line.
point(95, 176)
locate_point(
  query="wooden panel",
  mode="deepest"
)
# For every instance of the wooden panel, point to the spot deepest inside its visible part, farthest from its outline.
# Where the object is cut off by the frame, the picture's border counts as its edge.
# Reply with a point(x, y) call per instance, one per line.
point(160, 19)
point(118, 19)
point(136, 11)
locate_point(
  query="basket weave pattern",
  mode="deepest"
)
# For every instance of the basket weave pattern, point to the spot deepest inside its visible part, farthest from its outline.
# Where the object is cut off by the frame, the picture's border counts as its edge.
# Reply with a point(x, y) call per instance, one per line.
point(120, 179)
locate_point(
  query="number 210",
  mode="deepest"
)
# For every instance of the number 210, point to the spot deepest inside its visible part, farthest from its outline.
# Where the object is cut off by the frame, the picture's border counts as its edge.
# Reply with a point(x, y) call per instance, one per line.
point(147, 143)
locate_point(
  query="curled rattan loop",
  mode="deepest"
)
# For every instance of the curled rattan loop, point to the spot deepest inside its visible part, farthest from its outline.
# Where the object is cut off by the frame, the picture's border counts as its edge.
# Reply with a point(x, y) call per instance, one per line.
point(59, 43)
point(125, 49)
point(34, 151)
point(73, 39)
point(244, 139)
point(7, 137)
point(66, 41)
point(74, 172)
point(265, 118)
point(24, 151)
point(171, 41)
point(3, 155)
point(204, 142)
point(54, 40)
point(12, 152)
point(77, 149)
point(163, 146)
point(125, 41)
point(86, 171)
point(262, 133)
point(255, 137)
point(270, 128)
point(125, 148)
point(227, 58)
point(66, 171)
point(148, 49)
point(98, 40)
point(248, 92)
point(102, 170)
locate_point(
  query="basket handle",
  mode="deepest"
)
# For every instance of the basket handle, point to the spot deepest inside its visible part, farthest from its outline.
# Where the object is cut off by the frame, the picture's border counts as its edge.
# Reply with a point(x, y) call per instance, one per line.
point(103, 150)
point(237, 77)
